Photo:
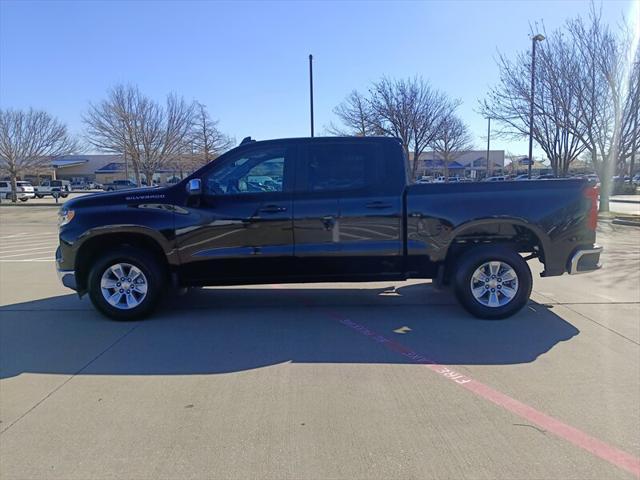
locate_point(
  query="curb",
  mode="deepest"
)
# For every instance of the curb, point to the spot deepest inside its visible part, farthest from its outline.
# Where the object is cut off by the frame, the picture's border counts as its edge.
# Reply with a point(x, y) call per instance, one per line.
point(624, 201)
point(628, 223)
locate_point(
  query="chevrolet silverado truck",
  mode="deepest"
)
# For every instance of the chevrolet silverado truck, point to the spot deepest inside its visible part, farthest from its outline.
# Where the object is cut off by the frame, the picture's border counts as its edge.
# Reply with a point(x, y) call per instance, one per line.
point(324, 210)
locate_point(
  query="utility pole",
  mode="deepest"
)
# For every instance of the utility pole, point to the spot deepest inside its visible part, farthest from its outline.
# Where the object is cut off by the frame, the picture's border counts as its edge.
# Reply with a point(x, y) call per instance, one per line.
point(537, 38)
point(124, 157)
point(488, 144)
point(311, 89)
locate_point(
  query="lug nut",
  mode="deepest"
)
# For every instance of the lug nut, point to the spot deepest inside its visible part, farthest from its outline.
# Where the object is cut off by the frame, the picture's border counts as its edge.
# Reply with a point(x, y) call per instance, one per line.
point(493, 289)
point(121, 290)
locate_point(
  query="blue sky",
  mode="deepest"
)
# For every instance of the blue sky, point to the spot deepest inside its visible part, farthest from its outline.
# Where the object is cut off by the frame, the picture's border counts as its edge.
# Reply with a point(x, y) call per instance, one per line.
point(247, 61)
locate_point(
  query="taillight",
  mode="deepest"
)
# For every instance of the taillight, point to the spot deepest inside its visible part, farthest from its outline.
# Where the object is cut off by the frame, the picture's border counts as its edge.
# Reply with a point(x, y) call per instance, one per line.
point(592, 219)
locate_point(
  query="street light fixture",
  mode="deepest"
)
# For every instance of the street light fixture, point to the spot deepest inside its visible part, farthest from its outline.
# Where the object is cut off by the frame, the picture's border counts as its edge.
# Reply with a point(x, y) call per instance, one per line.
point(537, 38)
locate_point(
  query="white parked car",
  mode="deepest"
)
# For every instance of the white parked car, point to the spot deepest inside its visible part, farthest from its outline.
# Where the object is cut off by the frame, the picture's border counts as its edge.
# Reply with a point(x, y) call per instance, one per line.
point(24, 190)
point(61, 188)
point(495, 179)
point(442, 179)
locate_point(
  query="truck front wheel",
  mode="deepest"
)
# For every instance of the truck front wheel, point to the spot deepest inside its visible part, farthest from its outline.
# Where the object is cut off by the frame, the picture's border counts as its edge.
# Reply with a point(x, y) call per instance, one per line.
point(126, 284)
point(492, 282)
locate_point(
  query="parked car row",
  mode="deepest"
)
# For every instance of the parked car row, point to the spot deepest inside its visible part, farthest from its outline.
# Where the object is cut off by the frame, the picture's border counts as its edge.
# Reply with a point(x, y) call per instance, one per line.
point(81, 185)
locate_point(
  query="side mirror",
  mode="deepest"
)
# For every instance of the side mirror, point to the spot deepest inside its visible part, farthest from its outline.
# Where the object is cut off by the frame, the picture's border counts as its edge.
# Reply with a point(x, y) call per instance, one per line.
point(194, 187)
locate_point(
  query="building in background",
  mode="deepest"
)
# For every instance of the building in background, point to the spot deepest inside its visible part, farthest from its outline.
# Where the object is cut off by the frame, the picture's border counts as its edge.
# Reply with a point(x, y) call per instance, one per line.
point(472, 164)
point(104, 169)
point(116, 171)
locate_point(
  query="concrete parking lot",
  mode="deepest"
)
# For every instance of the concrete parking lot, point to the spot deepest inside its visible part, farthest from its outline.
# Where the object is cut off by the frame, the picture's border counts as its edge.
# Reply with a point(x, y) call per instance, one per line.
point(318, 381)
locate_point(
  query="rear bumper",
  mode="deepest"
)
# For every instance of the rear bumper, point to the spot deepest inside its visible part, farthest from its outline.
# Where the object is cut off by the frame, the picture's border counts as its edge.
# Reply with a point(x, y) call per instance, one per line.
point(585, 260)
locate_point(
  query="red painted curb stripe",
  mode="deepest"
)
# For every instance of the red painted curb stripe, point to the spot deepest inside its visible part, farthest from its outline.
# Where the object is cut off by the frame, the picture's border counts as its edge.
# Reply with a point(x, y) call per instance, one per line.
point(577, 437)
point(613, 455)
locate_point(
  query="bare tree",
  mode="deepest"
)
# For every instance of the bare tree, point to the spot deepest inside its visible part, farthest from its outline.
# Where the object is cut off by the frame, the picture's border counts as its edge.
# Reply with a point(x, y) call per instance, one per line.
point(556, 128)
point(149, 134)
point(630, 128)
point(206, 140)
point(356, 116)
point(410, 110)
point(28, 139)
point(452, 140)
point(601, 89)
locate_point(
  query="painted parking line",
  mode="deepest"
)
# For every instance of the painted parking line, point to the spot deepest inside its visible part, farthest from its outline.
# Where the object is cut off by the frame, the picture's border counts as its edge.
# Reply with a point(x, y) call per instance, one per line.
point(580, 439)
point(43, 259)
point(27, 253)
point(27, 234)
point(32, 249)
point(26, 243)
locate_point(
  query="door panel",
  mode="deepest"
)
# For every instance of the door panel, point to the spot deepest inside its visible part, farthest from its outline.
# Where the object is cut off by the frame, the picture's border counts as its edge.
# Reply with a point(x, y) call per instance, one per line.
point(242, 226)
point(371, 233)
point(345, 221)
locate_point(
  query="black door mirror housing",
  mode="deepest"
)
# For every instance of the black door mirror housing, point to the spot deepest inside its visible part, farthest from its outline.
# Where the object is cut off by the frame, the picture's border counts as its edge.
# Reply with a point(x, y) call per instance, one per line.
point(194, 187)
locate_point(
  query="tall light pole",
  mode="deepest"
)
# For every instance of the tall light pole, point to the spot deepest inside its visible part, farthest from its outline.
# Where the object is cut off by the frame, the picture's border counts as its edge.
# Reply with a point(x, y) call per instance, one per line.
point(488, 143)
point(537, 38)
point(311, 89)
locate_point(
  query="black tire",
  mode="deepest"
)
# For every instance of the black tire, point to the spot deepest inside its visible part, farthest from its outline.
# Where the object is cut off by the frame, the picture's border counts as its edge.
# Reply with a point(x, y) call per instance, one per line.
point(156, 277)
point(24, 199)
point(39, 196)
point(475, 257)
point(64, 195)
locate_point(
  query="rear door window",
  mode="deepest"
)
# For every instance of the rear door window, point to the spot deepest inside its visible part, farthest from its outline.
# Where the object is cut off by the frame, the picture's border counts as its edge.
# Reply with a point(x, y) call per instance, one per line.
point(341, 167)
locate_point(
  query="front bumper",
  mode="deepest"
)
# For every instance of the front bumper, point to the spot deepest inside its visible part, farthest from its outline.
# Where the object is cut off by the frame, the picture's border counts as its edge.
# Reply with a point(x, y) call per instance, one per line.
point(66, 277)
point(585, 260)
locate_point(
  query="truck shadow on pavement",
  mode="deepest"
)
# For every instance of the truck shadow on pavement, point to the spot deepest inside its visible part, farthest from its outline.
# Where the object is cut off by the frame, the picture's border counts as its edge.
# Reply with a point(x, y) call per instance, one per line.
point(224, 330)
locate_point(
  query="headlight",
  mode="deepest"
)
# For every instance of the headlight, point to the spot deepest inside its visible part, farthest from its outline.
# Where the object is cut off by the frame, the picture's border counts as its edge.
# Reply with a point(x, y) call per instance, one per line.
point(65, 216)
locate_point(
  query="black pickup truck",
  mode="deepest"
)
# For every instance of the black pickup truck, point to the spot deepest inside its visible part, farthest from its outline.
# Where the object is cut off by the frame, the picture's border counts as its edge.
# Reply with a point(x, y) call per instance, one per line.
point(324, 210)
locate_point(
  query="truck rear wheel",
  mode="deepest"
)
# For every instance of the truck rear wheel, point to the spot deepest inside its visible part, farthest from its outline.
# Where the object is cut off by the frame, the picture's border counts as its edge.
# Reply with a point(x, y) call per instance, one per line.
point(126, 284)
point(492, 282)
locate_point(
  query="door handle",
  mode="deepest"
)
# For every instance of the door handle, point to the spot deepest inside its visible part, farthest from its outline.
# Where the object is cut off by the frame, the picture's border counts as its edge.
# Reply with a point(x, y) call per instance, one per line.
point(273, 209)
point(378, 205)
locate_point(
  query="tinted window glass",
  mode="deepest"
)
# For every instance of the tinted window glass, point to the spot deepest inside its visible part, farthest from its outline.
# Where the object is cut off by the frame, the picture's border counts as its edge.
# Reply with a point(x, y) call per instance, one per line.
point(256, 171)
point(340, 167)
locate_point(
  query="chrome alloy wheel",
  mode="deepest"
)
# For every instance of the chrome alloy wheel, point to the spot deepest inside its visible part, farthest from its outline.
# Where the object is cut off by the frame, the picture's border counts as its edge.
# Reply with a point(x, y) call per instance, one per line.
point(123, 286)
point(494, 284)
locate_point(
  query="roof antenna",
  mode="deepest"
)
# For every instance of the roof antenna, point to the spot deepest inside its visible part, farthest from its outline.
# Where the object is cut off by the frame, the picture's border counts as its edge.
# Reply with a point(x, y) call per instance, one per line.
point(246, 140)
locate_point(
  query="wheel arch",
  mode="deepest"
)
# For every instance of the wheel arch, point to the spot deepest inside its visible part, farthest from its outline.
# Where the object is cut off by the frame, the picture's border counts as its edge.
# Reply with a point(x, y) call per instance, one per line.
point(515, 233)
point(96, 243)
